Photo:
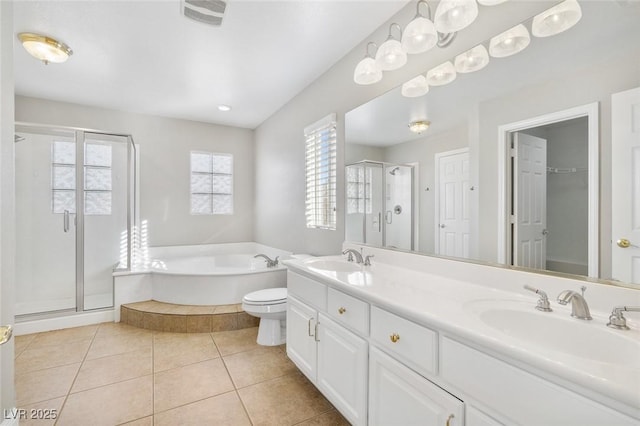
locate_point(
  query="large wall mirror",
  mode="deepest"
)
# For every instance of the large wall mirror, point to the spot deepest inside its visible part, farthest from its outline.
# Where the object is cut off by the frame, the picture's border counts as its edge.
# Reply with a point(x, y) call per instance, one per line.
point(516, 164)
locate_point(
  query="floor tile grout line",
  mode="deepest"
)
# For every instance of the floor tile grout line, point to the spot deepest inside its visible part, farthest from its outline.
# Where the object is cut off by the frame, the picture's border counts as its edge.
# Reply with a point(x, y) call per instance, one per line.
point(235, 388)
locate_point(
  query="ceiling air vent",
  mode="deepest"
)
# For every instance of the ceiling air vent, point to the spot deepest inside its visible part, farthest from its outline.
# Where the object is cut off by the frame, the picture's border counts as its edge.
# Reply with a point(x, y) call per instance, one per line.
point(206, 11)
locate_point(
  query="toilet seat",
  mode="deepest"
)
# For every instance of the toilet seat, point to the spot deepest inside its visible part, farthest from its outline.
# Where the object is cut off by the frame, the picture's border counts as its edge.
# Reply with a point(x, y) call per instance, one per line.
point(269, 296)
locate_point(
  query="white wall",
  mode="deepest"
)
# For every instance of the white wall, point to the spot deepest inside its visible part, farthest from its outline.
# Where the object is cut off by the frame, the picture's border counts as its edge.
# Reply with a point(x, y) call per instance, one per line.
point(165, 144)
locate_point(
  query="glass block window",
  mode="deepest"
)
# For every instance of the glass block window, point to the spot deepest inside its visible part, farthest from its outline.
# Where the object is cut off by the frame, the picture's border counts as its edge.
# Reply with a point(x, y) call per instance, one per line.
point(320, 166)
point(211, 183)
point(97, 178)
point(358, 189)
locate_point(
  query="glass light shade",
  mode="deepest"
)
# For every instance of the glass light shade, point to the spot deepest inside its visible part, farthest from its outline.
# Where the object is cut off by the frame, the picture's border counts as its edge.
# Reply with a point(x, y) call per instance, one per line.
point(367, 72)
point(419, 36)
point(45, 48)
point(472, 60)
point(454, 15)
point(390, 55)
point(509, 42)
point(415, 87)
point(419, 126)
point(557, 19)
point(490, 2)
point(441, 75)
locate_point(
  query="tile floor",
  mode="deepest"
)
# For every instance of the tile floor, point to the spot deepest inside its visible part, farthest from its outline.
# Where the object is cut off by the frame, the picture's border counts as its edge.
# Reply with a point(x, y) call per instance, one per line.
point(111, 374)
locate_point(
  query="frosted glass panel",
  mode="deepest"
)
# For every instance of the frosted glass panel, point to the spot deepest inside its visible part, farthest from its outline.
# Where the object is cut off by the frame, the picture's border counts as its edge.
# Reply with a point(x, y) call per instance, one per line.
point(97, 203)
point(97, 179)
point(64, 200)
point(222, 184)
point(201, 183)
point(64, 152)
point(201, 204)
point(222, 163)
point(223, 204)
point(64, 177)
point(97, 155)
point(201, 162)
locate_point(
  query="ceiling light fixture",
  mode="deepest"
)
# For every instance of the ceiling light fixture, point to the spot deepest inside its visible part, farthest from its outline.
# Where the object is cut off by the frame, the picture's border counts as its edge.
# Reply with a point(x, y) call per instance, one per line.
point(472, 60)
point(510, 42)
point(390, 55)
point(442, 74)
point(419, 126)
point(367, 71)
point(415, 87)
point(45, 49)
point(454, 15)
point(420, 34)
point(224, 108)
point(557, 19)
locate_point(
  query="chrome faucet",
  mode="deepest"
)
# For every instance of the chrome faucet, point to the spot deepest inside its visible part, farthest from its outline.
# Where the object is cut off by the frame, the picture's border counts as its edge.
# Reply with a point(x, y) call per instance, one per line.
point(352, 253)
point(271, 263)
point(617, 320)
point(543, 302)
point(579, 307)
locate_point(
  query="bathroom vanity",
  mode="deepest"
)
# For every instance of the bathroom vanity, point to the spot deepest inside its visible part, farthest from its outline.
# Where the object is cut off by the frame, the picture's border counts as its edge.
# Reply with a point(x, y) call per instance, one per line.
point(421, 340)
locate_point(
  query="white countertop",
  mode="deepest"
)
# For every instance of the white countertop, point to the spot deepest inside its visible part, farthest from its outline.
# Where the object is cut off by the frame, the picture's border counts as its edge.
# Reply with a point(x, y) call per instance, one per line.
point(451, 306)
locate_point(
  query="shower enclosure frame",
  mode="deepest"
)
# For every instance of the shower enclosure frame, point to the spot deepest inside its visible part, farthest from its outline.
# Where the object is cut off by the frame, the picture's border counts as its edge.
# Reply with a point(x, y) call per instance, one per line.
point(131, 207)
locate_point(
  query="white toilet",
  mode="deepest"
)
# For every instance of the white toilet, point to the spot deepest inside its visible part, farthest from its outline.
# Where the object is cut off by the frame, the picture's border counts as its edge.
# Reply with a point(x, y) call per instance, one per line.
point(270, 305)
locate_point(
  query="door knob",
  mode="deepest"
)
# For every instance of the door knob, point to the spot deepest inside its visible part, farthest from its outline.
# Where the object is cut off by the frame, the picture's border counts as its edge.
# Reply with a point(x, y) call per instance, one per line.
point(442, 225)
point(5, 334)
point(624, 243)
point(545, 232)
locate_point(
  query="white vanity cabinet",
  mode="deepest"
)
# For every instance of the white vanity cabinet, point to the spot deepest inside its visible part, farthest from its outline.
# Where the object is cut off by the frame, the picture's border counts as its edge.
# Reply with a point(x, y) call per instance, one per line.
point(399, 396)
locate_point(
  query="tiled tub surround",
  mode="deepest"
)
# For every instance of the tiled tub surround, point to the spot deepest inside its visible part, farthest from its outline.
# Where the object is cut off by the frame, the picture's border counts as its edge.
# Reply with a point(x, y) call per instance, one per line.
point(159, 316)
point(110, 374)
point(439, 296)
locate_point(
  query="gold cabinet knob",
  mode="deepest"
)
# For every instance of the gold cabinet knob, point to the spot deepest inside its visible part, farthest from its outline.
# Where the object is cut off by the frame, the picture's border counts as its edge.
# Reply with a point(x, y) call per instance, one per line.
point(623, 243)
point(394, 337)
point(451, 417)
point(341, 310)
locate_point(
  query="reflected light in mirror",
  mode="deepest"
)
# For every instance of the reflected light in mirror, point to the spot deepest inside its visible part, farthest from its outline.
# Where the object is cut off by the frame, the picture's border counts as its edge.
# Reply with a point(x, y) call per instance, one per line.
point(509, 42)
point(454, 15)
point(415, 87)
point(442, 74)
point(367, 71)
point(557, 19)
point(420, 34)
point(472, 60)
point(419, 126)
point(390, 55)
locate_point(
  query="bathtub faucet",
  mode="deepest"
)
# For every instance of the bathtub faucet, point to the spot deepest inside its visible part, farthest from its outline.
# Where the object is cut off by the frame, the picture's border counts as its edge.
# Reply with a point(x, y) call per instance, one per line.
point(270, 263)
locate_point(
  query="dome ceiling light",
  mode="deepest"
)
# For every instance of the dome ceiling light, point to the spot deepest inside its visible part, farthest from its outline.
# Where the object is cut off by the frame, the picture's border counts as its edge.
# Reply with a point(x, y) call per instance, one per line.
point(419, 126)
point(510, 42)
point(45, 49)
point(472, 60)
point(557, 19)
point(415, 87)
point(454, 15)
point(367, 71)
point(442, 74)
point(390, 55)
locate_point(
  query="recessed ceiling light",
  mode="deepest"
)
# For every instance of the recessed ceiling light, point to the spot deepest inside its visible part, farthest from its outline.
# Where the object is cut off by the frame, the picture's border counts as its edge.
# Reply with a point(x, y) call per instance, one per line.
point(224, 108)
point(45, 48)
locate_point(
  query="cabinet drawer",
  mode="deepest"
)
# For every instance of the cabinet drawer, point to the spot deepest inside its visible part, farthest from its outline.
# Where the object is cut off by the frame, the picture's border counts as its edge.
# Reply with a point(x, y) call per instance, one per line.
point(414, 345)
point(349, 311)
point(308, 290)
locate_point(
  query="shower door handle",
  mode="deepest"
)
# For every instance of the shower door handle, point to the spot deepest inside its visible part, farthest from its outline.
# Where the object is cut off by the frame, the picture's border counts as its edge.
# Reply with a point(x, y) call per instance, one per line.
point(66, 221)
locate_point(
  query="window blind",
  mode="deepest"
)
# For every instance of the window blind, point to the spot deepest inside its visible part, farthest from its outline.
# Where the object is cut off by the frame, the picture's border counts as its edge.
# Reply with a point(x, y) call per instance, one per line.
point(320, 149)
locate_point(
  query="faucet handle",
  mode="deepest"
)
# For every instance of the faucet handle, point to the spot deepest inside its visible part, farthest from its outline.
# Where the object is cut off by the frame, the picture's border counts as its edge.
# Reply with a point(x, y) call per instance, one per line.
point(617, 320)
point(350, 255)
point(367, 260)
point(543, 303)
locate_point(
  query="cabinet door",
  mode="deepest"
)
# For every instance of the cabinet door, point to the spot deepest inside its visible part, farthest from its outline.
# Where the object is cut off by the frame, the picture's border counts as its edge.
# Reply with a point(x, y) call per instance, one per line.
point(399, 396)
point(342, 369)
point(476, 417)
point(301, 339)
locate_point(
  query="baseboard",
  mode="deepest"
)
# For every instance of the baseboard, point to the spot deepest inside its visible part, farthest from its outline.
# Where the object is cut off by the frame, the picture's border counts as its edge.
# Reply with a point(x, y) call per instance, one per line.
point(67, 321)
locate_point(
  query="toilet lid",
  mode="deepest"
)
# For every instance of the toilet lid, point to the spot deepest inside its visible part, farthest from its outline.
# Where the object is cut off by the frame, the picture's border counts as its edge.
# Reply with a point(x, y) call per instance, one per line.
point(268, 295)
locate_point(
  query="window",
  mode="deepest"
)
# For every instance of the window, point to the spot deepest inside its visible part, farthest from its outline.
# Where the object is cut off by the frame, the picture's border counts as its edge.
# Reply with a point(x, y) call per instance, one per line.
point(358, 189)
point(211, 183)
point(97, 178)
point(321, 173)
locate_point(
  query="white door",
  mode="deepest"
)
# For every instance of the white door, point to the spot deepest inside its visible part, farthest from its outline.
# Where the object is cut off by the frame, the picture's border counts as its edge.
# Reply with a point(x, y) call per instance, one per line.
point(452, 210)
point(625, 197)
point(530, 215)
point(398, 396)
point(342, 370)
point(301, 341)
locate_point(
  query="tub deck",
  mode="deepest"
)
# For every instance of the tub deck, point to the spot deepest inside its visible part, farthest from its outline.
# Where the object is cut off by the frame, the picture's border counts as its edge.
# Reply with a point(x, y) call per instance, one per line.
point(161, 316)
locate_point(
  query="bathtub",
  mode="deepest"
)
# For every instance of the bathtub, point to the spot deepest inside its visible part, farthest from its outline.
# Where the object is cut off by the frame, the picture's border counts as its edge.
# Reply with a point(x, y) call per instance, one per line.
point(210, 274)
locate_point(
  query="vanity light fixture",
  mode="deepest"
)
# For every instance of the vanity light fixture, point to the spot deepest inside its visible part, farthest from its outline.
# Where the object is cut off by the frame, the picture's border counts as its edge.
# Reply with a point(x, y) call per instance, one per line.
point(490, 2)
point(367, 71)
point(419, 126)
point(454, 15)
point(420, 34)
point(510, 42)
point(472, 60)
point(415, 87)
point(45, 48)
point(557, 19)
point(390, 55)
point(224, 108)
point(442, 74)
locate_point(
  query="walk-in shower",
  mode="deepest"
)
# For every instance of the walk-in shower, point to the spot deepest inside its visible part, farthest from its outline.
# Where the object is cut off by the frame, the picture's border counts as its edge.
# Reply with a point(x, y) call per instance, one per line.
point(75, 208)
point(379, 204)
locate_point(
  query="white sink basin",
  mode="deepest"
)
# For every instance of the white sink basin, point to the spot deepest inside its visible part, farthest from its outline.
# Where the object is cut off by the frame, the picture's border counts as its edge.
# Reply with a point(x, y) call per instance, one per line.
point(558, 331)
point(333, 265)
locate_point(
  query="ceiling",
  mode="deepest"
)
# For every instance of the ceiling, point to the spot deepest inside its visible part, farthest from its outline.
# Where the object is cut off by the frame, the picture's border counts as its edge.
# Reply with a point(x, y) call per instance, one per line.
point(607, 30)
point(146, 57)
